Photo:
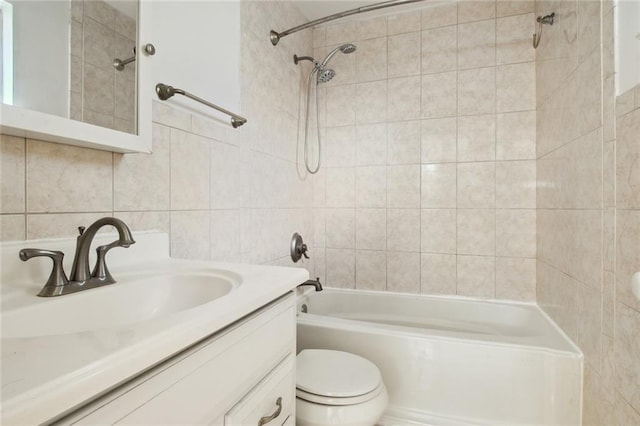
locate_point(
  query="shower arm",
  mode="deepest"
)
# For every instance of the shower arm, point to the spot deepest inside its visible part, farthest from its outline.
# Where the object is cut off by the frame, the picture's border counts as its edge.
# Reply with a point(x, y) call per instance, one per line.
point(276, 36)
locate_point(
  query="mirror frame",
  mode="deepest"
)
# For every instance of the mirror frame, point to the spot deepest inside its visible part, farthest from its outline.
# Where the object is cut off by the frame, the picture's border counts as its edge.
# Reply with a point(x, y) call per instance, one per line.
point(31, 124)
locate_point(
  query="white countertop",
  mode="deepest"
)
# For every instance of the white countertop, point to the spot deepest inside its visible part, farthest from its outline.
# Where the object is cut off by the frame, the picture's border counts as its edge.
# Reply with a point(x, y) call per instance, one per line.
point(45, 376)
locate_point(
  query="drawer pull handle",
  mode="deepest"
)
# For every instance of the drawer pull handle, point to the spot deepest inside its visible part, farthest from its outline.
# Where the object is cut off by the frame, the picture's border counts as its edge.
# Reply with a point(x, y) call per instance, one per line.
point(267, 419)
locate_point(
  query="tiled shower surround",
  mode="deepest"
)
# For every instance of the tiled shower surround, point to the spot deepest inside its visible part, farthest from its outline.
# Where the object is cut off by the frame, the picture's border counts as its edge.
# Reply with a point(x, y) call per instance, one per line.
point(588, 200)
point(429, 177)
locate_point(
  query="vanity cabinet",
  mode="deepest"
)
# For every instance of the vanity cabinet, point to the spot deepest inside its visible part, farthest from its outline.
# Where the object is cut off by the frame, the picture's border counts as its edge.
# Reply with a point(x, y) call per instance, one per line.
point(238, 376)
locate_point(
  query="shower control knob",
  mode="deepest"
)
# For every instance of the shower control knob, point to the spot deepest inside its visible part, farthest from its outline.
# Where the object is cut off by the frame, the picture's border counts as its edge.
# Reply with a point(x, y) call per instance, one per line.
point(298, 247)
point(149, 49)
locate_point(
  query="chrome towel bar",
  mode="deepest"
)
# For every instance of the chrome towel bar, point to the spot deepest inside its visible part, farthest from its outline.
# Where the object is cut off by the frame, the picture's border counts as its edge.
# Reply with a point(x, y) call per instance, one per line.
point(164, 92)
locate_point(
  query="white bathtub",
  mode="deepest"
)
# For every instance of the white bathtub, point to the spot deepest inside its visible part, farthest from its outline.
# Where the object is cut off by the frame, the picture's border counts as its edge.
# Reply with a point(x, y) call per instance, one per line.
point(448, 360)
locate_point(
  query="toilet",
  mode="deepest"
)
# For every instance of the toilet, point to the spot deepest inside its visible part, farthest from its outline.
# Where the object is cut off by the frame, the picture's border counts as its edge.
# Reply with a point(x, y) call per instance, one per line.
point(338, 388)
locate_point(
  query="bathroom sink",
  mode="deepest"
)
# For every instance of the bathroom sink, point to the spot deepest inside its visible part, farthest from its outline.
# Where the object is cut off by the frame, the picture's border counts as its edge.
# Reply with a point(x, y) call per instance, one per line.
point(135, 298)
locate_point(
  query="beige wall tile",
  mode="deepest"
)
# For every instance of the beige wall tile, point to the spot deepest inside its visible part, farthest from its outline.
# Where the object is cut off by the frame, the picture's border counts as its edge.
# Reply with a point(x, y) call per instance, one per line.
point(627, 354)
point(516, 279)
point(341, 268)
point(371, 270)
point(439, 15)
point(477, 44)
point(141, 181)
point(371, 229)
point(370, 103)
point(513, 39)
point(225, 235)
point(627, 255)
point(341, 101)
point(476, 232)
point(589, 27)
point(439, 140)
point(516, 87)
point(476, 10)
point(438, 186)
point(319, 36)
point(190, 164)
point(514, 7)
point(371, 60)
point(98, 93)
point(516, 233)
point(404, 142)
point(171, 116)
point(438, 274)
point(101, 12)
point(624, 413)
point(341, 33)
point(477, 138)
point(83, 176)
point(477, 91)
point(403, 23)
point(190, 235)
point(516, 184)
point(628, 160)
point(340, 146)
point(589, 325)
point(405, 55)
point(438, 231)
point(404, 98)
point(12, 169)
point(476, 276)
point(557, 294)
point(403, 272)
point(341, 187)
point(371, 186)
point(371, 144)
point(341, 228)
point(60, 225)
point(476, 185)
point(371, 28)
point(227, 178)
point(12, 227)
point(146, 220)
point(319, 227)
point(439, 49)
point(439, 95)
point(516, 136)
point(403, 186)
point(403, 230)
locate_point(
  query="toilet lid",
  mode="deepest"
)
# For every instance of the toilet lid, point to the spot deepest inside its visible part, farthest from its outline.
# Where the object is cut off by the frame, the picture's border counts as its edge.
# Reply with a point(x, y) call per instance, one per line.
point(335, 373)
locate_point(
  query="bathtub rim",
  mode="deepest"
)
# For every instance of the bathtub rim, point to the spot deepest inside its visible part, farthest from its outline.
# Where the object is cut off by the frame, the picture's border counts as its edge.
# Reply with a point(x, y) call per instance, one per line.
point(356, 325)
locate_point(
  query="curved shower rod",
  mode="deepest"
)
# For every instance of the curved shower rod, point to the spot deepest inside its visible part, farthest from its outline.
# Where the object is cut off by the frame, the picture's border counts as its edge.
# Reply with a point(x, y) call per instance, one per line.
point(276, 36)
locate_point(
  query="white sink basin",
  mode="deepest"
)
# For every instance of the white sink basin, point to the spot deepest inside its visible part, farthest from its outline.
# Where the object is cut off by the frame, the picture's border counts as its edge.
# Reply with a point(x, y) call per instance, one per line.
point(133, 299)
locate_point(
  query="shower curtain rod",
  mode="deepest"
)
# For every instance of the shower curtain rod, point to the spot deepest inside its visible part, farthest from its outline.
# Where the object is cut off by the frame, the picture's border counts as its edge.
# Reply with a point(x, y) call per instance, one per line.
point(276, 36)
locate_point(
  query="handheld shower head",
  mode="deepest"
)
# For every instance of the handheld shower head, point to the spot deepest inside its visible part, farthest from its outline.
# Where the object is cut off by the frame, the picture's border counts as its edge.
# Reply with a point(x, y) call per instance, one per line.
point(345, 48)
point(326, 75)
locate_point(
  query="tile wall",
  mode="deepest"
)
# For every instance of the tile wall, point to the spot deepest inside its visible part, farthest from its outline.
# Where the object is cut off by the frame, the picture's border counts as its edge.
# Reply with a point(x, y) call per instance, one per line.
point(429, 178)
point(98, 93)
point(588, 227)
point(223, 194)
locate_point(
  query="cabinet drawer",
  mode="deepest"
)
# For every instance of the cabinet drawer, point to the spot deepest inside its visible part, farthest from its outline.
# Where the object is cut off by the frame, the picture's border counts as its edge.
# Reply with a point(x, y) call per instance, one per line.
point(205, 382)
point(271, 401)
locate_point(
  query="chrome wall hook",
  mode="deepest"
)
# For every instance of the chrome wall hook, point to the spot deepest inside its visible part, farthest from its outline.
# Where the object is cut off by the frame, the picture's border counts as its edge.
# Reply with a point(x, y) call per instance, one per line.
point(542, 20)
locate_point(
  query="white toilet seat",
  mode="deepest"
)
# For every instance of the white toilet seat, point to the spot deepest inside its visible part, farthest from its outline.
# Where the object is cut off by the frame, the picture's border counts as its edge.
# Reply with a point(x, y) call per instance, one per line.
point(338, 388)
point(338, 401)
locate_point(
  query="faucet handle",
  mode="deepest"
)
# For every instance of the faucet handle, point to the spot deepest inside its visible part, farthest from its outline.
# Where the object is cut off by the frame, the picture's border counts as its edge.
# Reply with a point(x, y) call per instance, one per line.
point(57, 278)
point(101, 271)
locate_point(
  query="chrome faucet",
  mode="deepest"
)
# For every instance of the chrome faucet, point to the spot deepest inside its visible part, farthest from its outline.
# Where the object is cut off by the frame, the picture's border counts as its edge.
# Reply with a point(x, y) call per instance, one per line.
point(81, 279)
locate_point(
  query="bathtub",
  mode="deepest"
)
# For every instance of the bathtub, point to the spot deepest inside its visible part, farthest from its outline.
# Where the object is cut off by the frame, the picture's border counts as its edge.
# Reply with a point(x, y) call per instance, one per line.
point(449, 360)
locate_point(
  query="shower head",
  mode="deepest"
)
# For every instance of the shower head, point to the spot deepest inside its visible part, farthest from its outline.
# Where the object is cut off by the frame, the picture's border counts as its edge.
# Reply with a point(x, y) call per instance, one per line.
point(326, 75)
point(345, 48)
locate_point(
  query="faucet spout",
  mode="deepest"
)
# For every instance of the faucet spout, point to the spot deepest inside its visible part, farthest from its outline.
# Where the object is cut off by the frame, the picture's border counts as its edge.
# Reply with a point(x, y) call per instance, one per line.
point(80, 271)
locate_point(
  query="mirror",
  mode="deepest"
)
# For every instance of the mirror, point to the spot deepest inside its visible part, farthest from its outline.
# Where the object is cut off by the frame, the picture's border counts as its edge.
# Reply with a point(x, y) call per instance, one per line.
point(72, 59)
point(628, 44)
